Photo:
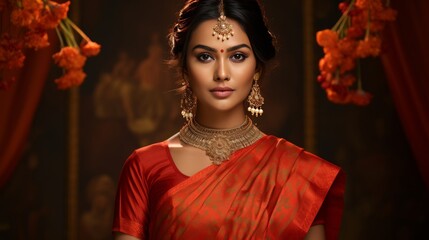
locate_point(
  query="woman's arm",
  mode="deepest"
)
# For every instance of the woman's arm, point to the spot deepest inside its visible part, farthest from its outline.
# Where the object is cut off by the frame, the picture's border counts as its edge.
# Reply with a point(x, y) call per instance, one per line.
point(123, 236)
point(316, 232)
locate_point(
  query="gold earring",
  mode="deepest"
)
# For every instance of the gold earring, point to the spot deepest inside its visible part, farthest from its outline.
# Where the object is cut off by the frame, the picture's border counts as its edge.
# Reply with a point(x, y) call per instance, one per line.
point(188, 103)
point(255, 98)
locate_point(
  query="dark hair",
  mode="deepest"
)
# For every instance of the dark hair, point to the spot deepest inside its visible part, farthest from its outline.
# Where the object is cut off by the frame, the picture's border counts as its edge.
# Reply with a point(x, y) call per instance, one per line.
point(247, 13)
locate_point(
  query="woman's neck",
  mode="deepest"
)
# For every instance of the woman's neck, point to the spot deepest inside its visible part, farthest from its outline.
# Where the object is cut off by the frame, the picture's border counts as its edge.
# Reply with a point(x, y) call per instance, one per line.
point(220, 120)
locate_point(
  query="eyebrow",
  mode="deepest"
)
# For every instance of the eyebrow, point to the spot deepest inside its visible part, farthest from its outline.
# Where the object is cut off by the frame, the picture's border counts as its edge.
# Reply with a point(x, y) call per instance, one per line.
point(230, 49)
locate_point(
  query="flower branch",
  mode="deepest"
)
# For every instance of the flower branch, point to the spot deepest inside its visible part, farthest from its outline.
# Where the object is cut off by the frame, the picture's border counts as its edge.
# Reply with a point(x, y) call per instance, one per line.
point(355, 36)
point(30, 21)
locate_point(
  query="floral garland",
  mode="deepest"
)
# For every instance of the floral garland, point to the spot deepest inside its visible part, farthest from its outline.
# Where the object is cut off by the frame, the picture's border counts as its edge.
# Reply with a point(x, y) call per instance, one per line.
point(28, 24)
point(355, 36)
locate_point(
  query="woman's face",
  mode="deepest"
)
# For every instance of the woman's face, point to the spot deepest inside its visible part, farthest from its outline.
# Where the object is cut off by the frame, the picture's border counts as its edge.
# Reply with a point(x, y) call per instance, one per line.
point(220, 73)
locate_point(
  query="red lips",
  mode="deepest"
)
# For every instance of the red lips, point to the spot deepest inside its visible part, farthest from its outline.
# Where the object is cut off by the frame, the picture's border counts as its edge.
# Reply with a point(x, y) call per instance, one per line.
point(221, 92)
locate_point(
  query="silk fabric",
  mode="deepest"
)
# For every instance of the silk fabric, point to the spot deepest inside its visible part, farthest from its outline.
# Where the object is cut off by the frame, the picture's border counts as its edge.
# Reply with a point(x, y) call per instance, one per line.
point(269, 190)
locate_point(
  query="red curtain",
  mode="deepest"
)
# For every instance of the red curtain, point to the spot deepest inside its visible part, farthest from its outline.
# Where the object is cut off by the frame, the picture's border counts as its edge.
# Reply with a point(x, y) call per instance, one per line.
point(406, 62)
point(18, 105)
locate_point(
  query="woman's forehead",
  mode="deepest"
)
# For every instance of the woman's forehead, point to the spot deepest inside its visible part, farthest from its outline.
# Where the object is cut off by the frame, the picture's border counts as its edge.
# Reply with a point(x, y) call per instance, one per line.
point(203, 35)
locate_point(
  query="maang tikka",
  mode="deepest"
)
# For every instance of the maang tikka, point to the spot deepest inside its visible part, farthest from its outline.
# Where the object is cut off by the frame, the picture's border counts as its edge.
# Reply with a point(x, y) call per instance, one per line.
point(255, 98)
point(188, 102)
point(222, 29)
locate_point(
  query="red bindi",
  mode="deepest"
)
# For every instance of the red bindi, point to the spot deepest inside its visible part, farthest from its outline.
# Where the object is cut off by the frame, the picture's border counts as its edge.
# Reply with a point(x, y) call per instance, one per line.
point(221, 50)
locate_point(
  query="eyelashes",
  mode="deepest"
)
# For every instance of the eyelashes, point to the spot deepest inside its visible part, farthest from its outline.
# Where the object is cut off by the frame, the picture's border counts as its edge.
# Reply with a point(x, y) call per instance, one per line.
point(204, 57)
point(238, 57)
point(207, 57)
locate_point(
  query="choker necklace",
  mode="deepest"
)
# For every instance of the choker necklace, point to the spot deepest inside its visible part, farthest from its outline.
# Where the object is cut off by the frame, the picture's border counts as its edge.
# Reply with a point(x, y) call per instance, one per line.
point(219, 144)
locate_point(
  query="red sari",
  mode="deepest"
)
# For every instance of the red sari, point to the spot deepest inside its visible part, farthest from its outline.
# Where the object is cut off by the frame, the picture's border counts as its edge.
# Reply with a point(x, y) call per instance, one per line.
point(269, 190)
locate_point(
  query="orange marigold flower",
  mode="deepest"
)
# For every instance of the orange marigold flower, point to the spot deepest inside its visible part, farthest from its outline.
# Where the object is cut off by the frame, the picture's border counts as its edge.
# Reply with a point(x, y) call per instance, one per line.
point(325, 78)
point(331, 60)
point(355, 32)
point(11, 55)
point(326, 65)
point(360, 20)
point(327, 38)
point(69, 58)
point(347, 46)
point(53, 14)
point(90, 49)
point(373, 5)
point(335, 55)
point(347, 80)
point(357, 35)
point(32, 4)
point(22, 17)
point(11, 59)
point(335, 52)
point(343, 6)
point(369, 47)
point(338, 94)
point(347, 64)
point(70, 79)
point(27, 14)
point(59, 9)
point(326, 85)
point(36, 39)
point(323, 66)
point(360, 97)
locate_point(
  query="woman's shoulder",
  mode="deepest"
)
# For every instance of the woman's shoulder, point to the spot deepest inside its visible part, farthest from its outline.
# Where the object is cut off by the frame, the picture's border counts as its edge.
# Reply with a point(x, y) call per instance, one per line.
point(149, 153)
point(154, 148)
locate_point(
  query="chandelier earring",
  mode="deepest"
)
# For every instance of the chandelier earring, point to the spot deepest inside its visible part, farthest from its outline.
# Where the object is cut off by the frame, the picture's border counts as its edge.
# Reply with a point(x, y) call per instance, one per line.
point(255, 98)
point(188, 102)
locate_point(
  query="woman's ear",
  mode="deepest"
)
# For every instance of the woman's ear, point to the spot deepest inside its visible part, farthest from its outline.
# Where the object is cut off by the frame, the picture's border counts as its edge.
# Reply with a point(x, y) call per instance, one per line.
point(258, 70)
point(256, 76)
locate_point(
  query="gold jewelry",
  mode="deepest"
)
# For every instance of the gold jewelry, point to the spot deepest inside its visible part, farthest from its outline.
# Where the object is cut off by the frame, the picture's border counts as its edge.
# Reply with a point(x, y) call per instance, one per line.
point(255, 98)
point(219, 144)
point(188, 103)
point(222, 29)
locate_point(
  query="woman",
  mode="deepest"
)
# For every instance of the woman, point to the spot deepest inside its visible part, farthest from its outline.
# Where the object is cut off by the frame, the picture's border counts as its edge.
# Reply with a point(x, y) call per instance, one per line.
point(220, 177)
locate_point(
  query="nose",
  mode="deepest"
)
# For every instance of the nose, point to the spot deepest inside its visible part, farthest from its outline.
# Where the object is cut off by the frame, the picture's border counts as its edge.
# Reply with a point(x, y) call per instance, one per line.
point(221, 72)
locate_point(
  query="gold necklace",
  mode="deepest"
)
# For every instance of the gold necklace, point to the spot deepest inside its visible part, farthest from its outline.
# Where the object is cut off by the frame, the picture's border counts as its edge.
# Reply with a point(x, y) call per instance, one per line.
point(219, 144)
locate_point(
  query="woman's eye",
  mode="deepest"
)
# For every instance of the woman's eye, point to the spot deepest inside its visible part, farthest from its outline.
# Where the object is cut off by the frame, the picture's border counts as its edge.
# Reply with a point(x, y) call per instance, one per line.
point(238, 57)
point(204, 57)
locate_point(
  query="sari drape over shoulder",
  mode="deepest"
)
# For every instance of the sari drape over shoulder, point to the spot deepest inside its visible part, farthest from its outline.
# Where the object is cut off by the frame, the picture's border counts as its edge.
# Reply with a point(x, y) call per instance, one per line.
point(269, 190)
